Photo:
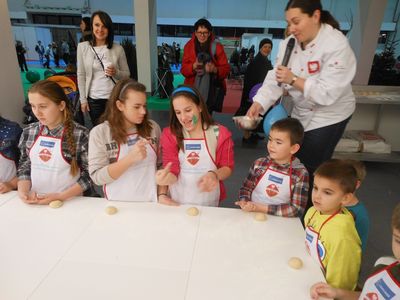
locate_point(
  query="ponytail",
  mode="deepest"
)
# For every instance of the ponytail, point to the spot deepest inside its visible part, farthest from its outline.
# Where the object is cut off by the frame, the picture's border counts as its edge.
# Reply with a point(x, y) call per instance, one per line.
point(327, 18)
point(69, 136)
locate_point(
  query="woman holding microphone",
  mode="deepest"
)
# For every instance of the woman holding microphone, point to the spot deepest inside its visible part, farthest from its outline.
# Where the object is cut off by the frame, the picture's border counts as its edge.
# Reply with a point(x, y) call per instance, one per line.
point(318, 77)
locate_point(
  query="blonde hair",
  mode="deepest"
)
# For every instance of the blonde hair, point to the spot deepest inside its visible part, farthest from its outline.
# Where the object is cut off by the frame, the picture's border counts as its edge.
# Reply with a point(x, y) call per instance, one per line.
point(55, 94)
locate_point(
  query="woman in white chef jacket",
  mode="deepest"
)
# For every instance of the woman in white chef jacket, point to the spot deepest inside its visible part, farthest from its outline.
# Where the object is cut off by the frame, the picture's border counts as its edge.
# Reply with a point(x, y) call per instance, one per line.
point(123, 150)
point(318, 77)
point(53, 163)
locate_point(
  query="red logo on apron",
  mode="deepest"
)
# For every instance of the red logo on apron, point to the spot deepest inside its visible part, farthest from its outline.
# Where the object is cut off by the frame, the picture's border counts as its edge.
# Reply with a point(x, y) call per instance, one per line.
point(372, 296)
point(313, 66)
point(272, 190)
point(192, 158)
point(45, 155)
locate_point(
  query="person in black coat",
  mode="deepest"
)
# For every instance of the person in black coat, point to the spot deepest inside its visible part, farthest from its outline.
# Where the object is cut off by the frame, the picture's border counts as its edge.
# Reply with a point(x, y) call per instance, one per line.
point(255, 73)
point(21, 56)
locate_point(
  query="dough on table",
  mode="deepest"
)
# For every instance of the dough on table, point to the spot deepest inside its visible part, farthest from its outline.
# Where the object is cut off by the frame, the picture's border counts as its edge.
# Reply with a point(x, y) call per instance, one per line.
point(111, 210)
point(295, 263)
point(260, 217)
point(192, 211)
point(56, 204)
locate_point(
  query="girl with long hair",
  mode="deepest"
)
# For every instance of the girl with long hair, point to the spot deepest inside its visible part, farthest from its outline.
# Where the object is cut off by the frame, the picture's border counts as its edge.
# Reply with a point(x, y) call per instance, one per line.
point(197, 153)
point(53, 163)
point(123, 150)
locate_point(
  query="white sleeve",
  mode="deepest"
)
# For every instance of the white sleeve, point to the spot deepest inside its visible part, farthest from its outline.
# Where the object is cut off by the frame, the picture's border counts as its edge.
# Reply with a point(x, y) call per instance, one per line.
point(337, 71)
point(81, 74)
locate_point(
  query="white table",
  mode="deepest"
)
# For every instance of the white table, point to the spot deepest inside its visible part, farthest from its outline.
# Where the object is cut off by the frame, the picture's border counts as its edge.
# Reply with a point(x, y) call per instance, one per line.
point(148, 251)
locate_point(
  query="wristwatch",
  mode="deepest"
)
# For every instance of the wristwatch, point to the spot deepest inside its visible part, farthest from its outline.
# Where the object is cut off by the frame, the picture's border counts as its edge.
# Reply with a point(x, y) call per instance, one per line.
point(293, 80)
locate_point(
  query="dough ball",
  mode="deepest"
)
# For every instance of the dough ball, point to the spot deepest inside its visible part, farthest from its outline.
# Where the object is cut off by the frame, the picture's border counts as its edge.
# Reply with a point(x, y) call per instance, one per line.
point(260, 217)
point(192, 211)
point(111, 210)
point(295, 263)
point(56, 204)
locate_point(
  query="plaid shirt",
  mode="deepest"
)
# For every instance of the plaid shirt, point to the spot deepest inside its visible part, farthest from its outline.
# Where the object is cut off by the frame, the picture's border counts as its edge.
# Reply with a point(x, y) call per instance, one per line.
point(299, 180)
point(81, 135)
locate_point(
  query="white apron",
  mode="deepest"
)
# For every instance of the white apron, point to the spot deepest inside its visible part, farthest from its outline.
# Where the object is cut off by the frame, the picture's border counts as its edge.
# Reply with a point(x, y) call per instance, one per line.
point(138, 182)
point(273, 187)
point(50, 172)
point(195, 162)
point(313, 243)
point(8, 169)
point(381, 286)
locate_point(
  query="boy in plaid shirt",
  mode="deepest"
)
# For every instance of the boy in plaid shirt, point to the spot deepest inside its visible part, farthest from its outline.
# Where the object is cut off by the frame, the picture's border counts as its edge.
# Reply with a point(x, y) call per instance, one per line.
point(278, 184)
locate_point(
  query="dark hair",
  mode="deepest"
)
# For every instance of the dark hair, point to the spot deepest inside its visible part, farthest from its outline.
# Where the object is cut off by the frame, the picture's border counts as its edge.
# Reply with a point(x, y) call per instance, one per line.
point(360, 168)
point(114, 116)
point(193, 95)
point(309, 7)
point(291, 126)
point(55, 93)
point(263, 42)
point(396, 217)
point(107, 22)
point(87, 22)
point(203, 23)
point(341, 172)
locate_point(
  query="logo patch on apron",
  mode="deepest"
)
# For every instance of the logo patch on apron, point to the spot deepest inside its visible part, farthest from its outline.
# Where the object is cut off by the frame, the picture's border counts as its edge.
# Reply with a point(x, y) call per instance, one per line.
point(272, 190)
point(372, 296)
point(45, 155)
point(193, 158)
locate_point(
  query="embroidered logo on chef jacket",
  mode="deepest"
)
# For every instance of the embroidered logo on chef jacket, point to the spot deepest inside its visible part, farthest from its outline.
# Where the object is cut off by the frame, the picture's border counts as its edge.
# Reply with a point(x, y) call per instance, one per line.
point(313, 66)
point(193, 158)
point(272, 190)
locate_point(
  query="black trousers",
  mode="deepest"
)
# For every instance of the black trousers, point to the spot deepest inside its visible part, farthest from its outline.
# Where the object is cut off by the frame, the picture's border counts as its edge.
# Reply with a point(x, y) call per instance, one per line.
point(96, 108)
point(318, 146)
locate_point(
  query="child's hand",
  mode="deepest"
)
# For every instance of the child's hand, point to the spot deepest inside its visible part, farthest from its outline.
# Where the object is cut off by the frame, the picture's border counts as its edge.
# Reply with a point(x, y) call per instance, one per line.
point(208, 182)
point(47, 198)
point(162, 175)
point(246, 205)
point(167, 200)
point(139, 152)
point(28, 197)
point(322, 289)
point(5, 187)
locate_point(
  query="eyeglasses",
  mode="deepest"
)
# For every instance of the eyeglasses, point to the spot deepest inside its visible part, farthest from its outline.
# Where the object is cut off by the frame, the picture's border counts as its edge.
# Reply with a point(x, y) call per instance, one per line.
point(203, 33)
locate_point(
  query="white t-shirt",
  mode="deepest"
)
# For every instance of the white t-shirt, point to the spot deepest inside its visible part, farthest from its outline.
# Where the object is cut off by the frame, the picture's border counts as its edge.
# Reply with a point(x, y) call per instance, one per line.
point(101, 86)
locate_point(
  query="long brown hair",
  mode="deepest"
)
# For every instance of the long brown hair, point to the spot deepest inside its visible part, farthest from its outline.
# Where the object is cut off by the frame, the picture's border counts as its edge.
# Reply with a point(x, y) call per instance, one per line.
point(309, 7)
point(55, 93)
point(192, 94)
point(114, 116)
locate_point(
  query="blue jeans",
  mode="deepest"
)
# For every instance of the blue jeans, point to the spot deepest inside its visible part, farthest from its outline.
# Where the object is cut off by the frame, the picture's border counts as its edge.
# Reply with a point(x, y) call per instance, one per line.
point(318, 146)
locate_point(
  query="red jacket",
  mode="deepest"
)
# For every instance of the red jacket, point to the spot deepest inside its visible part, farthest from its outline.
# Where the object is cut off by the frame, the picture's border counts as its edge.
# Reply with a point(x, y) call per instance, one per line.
point(189, 58)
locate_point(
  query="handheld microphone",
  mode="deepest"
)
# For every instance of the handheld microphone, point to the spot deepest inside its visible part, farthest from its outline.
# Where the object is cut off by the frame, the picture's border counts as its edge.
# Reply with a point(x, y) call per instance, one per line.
point(288, 53)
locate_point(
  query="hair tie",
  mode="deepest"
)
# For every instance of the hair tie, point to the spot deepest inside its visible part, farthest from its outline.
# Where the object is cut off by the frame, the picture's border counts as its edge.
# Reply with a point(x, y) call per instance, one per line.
point(184, 89)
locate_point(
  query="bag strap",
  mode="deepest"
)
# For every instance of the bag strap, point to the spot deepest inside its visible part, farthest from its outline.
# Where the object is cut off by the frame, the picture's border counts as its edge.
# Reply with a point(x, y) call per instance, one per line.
point(101, 63)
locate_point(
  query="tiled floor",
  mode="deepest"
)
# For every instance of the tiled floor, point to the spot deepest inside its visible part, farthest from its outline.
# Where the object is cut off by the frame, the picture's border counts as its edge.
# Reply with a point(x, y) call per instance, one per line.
point(380, 192)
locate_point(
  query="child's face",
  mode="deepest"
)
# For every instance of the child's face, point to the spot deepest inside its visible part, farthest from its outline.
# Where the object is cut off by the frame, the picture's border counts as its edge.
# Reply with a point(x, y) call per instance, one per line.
point(279, 146)
point(46, 111)
point(187, 113)
point(396, 243)
point(133, 108)
point(327, 195)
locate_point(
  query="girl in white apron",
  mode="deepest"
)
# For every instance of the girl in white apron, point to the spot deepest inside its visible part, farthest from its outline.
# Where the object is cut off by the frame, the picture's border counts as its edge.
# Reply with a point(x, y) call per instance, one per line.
point(53, 164)
point(191, 154)
point(123, 149)
point(9, 137)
